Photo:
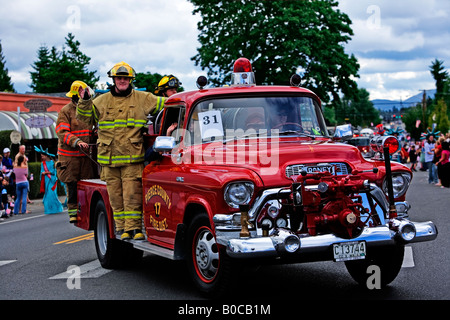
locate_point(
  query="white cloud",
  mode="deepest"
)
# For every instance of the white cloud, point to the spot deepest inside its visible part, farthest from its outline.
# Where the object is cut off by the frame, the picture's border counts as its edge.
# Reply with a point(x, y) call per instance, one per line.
point(153, 36)
point(383, 38)
point(394, 41)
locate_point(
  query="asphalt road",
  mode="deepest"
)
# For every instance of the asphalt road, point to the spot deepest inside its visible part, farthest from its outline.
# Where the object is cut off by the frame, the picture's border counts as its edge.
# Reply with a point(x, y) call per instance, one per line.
point(38, 250)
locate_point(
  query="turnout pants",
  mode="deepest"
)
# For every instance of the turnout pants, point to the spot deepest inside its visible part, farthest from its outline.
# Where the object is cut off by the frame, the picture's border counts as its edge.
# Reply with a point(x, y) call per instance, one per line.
point(70, 171)
point(124, 185)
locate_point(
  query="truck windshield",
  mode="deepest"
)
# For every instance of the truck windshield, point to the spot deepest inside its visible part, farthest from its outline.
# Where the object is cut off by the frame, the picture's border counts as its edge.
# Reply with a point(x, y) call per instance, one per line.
point(253, 117)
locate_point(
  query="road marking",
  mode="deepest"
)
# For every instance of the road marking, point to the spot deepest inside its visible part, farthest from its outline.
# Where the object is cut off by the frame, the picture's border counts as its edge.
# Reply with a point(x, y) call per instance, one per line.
point(4, 262)
point(91, 269)
point(408, 259)
point(88, 236)
point(21, 219)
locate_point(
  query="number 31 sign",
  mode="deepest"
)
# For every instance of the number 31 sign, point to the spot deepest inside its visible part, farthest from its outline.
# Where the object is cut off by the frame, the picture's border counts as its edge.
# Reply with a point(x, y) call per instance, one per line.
point(210, 124)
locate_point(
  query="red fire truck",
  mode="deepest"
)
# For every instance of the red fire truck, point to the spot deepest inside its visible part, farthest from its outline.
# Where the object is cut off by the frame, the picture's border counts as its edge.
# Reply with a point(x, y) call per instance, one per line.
point(252, 175)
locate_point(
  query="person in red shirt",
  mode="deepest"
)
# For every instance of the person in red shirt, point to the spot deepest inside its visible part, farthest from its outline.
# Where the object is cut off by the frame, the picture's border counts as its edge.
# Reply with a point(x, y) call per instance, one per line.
point(444, 165)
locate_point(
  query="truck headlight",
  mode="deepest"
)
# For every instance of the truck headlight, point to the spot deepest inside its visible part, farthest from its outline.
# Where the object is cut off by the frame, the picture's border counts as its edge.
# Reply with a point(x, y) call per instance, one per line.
point(238, 193)
point(400, 184)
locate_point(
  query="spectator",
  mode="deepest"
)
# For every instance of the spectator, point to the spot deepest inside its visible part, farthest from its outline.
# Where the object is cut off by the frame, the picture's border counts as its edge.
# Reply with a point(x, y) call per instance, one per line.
point(49, 183)
point(7, 171)
point(437, 156)
point(444, 165)
point(429, 156)
point(7, 161)
point(4, 205)
point(413, 157)
point(423, 164)
point(21, 175)
point(21, 152)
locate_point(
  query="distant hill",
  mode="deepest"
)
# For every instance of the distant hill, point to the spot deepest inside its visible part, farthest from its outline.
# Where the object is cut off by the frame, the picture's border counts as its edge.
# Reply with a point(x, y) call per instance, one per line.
point(386, 105)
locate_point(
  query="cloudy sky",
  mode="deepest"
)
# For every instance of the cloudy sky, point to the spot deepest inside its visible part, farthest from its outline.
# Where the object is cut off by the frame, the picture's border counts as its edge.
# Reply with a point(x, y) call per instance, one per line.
point(394, 41)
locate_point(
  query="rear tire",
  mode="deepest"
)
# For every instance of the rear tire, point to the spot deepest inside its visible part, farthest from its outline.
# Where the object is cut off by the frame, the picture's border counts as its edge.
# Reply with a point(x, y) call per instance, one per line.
point(112, 253)
point(388, 259)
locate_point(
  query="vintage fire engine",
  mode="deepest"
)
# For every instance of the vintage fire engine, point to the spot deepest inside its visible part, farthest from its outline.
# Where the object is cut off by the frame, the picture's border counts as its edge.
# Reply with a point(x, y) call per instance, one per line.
point(251, 175)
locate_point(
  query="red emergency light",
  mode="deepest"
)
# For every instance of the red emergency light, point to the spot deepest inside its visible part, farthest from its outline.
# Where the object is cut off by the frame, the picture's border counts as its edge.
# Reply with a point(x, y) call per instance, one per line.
point(392, 144)
point(378, 143)
point(242, 73)
point(242, 65)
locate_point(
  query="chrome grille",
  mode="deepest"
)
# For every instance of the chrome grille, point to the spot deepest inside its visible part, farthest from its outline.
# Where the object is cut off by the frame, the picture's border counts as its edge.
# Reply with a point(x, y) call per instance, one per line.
point(294, 170)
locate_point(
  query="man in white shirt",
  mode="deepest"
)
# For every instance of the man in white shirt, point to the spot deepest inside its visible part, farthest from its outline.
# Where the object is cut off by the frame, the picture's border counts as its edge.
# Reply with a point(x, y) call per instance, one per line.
point(429, 155)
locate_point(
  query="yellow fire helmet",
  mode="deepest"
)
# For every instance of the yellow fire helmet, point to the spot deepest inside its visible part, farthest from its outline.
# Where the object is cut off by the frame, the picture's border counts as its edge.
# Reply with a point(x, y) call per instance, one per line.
point(122, 69)
point(75, 87)
point(167, 82)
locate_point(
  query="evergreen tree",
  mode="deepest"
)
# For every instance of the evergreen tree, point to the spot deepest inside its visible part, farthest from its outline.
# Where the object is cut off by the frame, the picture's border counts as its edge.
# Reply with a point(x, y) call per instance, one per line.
point(440, 117)
point(40, 79)
point(55, 71)
point(5, 79)
point(280, 38)
point(439, 74)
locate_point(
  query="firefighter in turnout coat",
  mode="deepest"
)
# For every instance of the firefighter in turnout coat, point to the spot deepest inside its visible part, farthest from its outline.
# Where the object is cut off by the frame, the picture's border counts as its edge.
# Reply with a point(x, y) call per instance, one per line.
point(74, 137)
point(121, 115)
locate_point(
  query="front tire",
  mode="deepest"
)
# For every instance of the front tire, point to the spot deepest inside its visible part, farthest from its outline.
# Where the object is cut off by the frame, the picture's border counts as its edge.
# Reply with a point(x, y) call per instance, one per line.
point(388, 259)
point(209, 266)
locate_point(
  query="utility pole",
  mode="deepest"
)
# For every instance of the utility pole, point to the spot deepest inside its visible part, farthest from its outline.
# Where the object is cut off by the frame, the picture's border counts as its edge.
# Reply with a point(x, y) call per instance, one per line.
point(424, 106)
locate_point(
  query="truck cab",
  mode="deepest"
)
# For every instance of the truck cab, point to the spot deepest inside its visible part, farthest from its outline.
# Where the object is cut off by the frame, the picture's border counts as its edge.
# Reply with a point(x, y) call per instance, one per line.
point(251, 175)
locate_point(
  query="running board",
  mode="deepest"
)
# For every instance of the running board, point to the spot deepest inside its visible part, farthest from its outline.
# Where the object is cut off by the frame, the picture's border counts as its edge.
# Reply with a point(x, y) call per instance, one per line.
point(152, 248)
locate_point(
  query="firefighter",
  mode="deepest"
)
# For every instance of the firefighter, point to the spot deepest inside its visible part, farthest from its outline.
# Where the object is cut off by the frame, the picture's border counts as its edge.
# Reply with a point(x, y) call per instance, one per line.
point(121, 115)
point(73, 145)
point(167, 86)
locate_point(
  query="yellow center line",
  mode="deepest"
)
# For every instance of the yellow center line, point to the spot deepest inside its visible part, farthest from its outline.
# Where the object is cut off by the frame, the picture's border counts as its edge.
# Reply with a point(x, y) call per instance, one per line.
point(76, 239)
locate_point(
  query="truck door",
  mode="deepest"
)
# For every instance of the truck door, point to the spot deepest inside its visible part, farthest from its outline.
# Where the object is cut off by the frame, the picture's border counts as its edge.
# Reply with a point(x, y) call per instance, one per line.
point(159, 184)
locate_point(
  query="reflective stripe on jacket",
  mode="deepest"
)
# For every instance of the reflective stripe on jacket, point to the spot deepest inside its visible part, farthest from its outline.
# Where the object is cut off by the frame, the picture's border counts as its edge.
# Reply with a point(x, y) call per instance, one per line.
point(70, 131)
point(120, 120)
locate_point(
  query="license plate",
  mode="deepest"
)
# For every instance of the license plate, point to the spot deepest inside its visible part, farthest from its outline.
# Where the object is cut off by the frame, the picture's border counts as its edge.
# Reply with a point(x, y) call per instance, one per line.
point(323, 168)
point(349, 251)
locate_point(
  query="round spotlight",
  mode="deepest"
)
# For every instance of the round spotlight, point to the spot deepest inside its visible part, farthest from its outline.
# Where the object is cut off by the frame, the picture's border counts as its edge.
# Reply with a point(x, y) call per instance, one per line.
point(292, 243)
point(407, 231)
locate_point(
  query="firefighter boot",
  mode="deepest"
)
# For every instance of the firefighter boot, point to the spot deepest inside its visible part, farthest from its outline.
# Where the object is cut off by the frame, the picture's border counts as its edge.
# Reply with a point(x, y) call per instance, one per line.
point(137, 234)
point(72, 213)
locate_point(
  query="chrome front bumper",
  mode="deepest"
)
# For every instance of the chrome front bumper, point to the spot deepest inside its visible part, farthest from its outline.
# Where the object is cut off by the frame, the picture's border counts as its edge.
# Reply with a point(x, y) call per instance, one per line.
point(275, 244)
point(282, 242)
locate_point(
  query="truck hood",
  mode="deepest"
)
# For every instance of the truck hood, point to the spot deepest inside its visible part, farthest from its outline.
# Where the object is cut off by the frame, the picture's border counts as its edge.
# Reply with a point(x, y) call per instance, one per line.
point(270, 159)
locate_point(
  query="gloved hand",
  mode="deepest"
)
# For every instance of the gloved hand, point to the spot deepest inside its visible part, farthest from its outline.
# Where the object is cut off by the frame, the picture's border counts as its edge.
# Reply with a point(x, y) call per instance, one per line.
point(85, 94)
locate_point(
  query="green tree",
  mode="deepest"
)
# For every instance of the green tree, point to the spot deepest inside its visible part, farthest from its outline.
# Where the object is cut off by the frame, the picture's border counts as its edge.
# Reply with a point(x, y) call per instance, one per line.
point(55, 71)
point(439, 74)
point(280, 38)
point(357, 110)
point(5, 79)
point(147, 80)
point(410, 118)
point(440, 117)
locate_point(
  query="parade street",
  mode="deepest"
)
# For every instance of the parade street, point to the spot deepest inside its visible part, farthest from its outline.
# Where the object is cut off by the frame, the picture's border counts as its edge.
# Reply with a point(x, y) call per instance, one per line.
point(43, 257)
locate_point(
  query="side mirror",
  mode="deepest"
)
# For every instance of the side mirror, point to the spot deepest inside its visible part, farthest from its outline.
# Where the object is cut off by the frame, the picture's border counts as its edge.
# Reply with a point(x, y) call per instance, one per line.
point(343, 131)
point(164, 144)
